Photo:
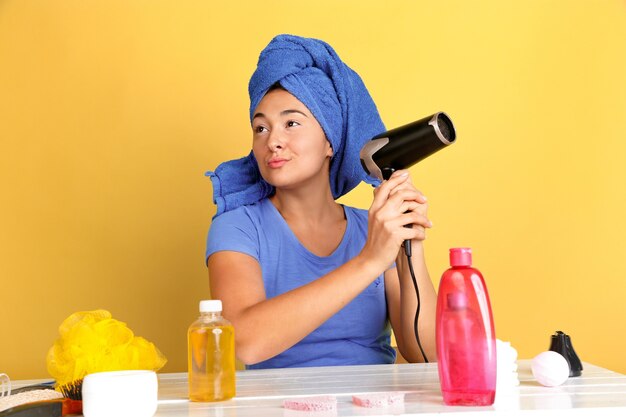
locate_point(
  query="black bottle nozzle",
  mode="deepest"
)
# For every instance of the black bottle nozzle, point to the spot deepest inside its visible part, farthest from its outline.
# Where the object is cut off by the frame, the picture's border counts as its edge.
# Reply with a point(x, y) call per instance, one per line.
point(561, 343)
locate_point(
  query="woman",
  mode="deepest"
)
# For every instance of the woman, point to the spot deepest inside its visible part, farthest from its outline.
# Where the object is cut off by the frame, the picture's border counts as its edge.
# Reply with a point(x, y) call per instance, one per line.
point(305, 280)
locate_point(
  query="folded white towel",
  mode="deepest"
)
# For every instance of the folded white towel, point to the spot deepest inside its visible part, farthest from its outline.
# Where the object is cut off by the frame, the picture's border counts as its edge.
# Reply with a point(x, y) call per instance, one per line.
point(506, 365)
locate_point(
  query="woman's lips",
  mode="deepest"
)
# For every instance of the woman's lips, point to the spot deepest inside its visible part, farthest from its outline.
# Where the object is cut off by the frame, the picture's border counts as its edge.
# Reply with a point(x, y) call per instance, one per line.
point(277, 162)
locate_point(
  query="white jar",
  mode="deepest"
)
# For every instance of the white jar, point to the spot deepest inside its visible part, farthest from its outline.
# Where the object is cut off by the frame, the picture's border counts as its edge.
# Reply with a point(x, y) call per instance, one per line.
point(120, 394)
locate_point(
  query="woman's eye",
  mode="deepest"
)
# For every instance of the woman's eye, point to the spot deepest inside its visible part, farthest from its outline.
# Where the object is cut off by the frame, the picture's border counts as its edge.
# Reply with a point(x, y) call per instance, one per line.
point(292, 123)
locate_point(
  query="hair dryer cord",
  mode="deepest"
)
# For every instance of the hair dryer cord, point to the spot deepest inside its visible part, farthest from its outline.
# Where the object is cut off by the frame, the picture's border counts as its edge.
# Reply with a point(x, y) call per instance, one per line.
point(417, 293)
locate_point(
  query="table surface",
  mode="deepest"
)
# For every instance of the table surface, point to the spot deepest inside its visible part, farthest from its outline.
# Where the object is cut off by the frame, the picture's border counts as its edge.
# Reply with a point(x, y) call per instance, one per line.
point(260, 393)
point(598, 392)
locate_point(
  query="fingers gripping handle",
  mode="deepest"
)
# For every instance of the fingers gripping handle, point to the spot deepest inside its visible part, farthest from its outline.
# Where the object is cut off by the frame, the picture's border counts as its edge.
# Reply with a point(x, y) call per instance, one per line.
point(387, 172)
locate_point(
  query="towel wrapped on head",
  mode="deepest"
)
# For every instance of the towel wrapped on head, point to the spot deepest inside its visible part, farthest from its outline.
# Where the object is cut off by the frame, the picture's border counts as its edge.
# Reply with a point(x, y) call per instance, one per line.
point(311, 71)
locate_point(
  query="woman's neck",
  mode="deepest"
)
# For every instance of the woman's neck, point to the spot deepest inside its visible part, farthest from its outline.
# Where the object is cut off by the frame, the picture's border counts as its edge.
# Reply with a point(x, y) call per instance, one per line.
point(310, 206)
point(316, 220)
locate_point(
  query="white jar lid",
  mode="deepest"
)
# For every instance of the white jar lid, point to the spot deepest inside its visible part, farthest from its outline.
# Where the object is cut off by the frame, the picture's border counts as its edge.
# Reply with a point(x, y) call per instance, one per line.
point(210, 306)
point(120, 394)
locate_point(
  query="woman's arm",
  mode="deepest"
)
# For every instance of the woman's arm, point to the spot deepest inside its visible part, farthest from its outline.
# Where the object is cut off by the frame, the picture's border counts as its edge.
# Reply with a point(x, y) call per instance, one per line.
point(401, 294)
point(267, 327)
point(402, 304)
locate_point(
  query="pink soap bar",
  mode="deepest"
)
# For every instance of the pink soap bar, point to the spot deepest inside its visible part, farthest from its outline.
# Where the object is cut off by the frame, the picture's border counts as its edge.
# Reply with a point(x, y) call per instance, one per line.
point(320, 403)
point(379, 399)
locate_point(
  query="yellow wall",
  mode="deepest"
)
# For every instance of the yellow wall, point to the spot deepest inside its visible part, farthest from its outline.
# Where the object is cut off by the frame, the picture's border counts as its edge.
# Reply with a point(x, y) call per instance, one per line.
point(111, 111)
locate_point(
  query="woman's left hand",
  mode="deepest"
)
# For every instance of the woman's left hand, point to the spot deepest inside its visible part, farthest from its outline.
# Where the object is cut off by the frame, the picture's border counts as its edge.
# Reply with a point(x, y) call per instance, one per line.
point(418, 205)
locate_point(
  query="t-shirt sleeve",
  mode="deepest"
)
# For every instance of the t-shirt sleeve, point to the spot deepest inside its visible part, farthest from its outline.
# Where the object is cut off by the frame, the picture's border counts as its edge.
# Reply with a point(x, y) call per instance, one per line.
point(232, 231)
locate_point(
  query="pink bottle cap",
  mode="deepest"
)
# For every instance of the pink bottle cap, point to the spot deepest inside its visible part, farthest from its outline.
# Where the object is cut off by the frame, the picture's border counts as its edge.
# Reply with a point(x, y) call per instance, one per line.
point(461, 257)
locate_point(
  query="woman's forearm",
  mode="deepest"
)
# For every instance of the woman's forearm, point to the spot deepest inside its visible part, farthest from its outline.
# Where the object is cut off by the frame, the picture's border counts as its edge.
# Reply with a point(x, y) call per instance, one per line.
point(268, 327)
point(407, 342)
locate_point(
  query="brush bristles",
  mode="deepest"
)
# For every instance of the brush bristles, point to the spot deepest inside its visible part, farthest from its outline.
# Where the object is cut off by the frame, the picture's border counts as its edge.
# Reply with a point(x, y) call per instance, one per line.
point(73, 390)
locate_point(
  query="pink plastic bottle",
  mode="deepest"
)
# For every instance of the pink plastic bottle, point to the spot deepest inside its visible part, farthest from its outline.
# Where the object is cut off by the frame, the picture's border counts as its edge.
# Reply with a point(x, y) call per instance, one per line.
point(466, 340)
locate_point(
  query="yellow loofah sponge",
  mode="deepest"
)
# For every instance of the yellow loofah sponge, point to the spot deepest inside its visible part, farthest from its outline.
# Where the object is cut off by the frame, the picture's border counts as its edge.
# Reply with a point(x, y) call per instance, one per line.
point(93, 341)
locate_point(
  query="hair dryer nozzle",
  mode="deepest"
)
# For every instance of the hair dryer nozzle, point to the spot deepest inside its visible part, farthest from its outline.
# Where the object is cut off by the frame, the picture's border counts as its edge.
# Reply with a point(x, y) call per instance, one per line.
point(404, 146)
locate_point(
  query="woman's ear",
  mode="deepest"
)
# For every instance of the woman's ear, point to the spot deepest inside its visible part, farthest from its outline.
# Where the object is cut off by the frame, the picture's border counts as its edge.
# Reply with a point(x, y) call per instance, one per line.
point(329, 149)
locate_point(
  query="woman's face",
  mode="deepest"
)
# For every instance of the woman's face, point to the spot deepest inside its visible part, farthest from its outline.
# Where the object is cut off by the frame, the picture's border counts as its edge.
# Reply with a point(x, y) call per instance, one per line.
point(288, 142)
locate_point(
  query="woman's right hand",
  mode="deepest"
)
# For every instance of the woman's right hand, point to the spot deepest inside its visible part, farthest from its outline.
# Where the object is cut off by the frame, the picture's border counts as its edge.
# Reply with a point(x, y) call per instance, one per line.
point(395, 205)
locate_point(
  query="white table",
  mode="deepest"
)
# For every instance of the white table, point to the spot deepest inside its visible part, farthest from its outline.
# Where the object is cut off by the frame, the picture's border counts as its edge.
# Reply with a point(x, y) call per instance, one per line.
point(598, 392)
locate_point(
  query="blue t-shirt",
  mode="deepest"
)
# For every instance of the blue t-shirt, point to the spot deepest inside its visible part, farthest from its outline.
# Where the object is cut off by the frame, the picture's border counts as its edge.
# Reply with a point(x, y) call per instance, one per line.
point(358, 334)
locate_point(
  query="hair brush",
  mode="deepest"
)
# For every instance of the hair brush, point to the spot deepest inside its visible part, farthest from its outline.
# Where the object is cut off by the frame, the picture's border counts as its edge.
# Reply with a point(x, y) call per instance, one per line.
point(39, 400)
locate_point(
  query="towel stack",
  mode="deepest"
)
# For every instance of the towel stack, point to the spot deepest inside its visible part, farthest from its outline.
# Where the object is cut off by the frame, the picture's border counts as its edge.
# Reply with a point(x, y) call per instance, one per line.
point(506, 379)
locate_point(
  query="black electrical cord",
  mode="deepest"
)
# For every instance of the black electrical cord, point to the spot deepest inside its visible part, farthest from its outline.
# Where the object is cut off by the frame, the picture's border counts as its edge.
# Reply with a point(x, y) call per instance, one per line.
point(407, 251)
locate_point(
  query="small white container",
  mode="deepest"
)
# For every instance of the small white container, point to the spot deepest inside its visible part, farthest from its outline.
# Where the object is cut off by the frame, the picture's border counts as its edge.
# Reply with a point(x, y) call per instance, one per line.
point(120, 394)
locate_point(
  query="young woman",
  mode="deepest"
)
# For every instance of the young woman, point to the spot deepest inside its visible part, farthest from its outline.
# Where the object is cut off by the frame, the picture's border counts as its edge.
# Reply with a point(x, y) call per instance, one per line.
point(305, 280)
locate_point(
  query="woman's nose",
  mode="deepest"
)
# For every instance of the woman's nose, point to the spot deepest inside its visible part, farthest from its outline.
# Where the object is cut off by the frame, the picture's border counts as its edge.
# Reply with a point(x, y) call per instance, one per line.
point(275, 143)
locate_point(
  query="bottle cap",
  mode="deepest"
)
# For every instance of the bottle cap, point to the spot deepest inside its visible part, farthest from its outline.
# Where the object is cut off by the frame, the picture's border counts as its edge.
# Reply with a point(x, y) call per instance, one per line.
point(210, 306)
point(562, 343)
point(461, 257)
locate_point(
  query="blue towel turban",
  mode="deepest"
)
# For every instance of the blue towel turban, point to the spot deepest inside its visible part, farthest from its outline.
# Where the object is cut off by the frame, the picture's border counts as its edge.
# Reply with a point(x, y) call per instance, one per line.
point(312, 71)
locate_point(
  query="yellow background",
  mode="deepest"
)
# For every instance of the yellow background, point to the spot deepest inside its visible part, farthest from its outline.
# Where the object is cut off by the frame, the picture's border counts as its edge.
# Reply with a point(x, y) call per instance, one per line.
point(111, 112)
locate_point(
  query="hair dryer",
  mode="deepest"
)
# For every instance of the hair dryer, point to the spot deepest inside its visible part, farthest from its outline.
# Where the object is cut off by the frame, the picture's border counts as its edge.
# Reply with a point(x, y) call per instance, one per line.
point(404, 146)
